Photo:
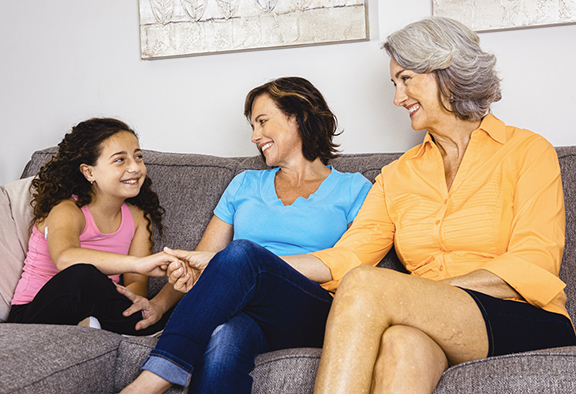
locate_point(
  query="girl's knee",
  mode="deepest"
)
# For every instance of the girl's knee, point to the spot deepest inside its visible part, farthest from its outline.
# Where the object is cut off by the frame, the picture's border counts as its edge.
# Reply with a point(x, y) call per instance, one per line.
point(80, 272)
point(81, 276)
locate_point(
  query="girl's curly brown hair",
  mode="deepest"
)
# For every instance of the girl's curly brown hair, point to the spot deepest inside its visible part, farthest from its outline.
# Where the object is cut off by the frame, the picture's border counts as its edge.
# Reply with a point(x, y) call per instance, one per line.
point(60, 178)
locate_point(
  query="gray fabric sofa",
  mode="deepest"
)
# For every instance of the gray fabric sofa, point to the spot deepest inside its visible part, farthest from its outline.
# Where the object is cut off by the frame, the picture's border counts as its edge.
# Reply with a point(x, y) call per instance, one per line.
point(65, 359)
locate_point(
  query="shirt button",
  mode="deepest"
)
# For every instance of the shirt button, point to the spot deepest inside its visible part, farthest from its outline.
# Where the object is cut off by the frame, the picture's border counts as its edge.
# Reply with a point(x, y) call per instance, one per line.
point(437, 222)
point(441, 268)
point(446, 201)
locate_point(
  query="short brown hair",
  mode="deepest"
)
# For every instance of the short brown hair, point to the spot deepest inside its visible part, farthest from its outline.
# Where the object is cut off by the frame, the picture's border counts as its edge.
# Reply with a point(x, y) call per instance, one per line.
point(296, 96)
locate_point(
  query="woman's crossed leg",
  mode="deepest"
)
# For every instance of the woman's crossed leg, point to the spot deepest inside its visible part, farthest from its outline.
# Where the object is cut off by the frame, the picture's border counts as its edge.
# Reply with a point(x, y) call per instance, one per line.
point(389, 331)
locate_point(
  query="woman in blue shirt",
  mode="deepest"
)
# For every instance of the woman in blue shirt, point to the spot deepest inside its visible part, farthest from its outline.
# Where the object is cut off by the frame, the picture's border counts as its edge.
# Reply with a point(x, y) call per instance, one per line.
point(248, 300)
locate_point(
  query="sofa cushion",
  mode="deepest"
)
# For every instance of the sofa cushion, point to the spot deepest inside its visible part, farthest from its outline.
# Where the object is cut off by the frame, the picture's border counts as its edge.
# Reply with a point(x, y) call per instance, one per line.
point(57, 359)
point(38, 159)
point(567, 159)
point(542, 371)
point(286, 371)
point(368, 164)
point(16, 214)
point(176, 174)
point(131, 354)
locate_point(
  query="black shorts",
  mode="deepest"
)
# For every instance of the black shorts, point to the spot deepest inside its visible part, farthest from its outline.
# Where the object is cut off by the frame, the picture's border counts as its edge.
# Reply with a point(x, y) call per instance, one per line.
point(515, 326)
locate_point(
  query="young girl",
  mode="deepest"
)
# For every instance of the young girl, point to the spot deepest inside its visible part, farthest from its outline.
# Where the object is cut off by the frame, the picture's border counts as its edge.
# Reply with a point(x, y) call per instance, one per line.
point(93, 217)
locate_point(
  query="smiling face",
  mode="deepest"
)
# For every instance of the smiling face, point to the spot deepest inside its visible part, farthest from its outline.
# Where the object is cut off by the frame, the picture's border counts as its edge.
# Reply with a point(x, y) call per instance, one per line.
point(119, 171)
point(418, 93)
point(275, 134)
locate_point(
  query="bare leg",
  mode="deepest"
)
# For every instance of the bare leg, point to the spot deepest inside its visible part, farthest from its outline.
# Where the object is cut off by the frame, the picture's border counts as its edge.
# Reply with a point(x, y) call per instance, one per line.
point(147, 382)
point(371, 300)
point(408, 361)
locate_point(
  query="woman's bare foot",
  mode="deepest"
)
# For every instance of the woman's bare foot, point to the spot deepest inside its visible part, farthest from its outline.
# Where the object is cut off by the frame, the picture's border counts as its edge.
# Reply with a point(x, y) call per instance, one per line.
point(147, 382)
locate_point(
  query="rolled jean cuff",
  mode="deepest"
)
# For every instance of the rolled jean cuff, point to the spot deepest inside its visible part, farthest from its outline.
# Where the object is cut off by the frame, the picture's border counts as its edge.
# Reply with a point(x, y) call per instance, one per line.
point(167, 370)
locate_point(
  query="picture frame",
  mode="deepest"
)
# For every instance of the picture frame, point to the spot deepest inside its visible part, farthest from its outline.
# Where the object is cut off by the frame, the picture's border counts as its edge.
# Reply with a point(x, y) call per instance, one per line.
point(489, 15)
point(171, 28)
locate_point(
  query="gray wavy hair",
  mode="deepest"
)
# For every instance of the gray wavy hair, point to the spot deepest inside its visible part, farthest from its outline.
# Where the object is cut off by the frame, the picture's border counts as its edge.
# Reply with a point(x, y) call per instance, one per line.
point(465, 74)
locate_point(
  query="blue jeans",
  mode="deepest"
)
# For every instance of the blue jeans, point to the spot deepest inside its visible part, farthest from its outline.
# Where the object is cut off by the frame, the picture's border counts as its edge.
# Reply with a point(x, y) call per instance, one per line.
point(226, 364)
point(243, 280)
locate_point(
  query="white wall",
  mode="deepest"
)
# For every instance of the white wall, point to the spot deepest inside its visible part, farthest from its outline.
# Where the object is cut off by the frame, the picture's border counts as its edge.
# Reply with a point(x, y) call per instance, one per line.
point(63, 61)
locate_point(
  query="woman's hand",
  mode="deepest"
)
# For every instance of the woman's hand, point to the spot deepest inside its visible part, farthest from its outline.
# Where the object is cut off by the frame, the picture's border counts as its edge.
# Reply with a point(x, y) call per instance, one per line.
point(186, 271)
point(155, 264)
point(151, 312)
point(485, 282)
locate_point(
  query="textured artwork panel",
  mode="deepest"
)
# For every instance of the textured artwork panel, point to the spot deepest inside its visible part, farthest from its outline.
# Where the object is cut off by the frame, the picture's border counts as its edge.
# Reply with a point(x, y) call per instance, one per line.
point(483, 15)
point(191, 27)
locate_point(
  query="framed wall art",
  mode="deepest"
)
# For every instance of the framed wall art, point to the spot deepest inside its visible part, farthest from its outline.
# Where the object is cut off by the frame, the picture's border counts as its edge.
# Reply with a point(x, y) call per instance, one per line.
point(486, 15)
point(193, 27)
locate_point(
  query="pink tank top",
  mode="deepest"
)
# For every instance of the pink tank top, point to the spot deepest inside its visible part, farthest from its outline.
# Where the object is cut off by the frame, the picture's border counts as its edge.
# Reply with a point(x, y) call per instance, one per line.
point(39, 267)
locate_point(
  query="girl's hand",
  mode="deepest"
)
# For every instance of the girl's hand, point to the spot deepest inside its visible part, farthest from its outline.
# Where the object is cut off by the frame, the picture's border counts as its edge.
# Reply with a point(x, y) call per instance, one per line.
point(183, 274)
point(151, 312)
point(154, 265)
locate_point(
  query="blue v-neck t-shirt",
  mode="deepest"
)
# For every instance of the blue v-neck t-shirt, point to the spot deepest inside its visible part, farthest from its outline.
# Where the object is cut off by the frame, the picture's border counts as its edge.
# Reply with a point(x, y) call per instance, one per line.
point(251, 205)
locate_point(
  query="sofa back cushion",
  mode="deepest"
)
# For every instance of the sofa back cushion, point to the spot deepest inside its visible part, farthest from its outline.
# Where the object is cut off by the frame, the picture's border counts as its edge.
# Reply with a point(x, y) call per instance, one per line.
point(567, 159)
point(190, 185)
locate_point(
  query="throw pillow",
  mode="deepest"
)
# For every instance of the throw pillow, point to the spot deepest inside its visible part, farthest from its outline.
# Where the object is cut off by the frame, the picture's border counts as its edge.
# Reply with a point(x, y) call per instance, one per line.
point(15, 214)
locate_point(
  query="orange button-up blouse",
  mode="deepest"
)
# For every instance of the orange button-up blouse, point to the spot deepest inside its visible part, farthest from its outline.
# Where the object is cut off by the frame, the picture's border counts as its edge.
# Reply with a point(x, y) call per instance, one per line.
point(504, 213)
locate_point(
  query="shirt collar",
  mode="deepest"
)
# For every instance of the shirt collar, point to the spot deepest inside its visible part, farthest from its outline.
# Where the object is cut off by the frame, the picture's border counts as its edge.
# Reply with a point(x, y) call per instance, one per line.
point(490, 124)
point(428, 141)
point(494, 127)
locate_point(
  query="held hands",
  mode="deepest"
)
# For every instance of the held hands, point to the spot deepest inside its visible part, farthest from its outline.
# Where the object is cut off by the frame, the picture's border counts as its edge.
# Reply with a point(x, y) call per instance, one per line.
point(151, 312)
point(155, 264)
point(183, 269)
point(186, 270)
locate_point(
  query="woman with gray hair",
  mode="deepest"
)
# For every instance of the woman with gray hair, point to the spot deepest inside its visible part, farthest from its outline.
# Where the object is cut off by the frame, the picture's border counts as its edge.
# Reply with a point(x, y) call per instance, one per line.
point(476, 215)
